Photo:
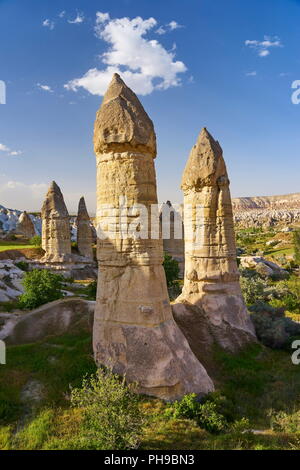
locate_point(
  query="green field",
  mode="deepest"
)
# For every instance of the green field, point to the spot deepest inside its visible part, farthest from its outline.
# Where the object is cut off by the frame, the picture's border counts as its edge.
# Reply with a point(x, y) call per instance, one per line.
point(254, 383)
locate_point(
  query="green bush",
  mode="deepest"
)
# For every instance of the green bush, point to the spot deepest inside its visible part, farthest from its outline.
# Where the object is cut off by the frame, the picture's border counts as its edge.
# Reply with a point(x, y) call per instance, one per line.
point(272, 328)
point(206, 414)
point(253, 289)
point(296, 240)
point(112, 419)
point(22, 265)
point(284, 422)
point(91, 290)
point(36, 241)
point(40, 287)
point(171, 268)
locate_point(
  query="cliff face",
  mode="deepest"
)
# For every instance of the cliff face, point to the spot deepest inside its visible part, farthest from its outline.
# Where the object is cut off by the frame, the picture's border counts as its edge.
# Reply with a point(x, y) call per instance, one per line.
point(287, 201)
point(267, 210)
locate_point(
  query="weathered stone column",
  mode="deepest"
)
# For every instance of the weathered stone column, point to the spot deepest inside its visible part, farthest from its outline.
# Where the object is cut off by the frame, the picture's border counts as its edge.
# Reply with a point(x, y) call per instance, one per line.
point(84, 231)
point(25, 226)
point(211, 308)
point(56, 238)
point(134, 331)
point(173, 240)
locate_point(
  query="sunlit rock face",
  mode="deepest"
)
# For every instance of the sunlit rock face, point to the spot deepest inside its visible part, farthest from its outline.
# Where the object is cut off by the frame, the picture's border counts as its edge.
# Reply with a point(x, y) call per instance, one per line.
point(134, 331)
point(211, 308)
point(84, 231)
point(56, 238)
point(25, 226)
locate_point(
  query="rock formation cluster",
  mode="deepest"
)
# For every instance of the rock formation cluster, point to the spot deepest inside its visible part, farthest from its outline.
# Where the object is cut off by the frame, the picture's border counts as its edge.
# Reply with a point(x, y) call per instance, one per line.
point(211, 307)
point(85, 236)
point(134, 331)
point(56, 238)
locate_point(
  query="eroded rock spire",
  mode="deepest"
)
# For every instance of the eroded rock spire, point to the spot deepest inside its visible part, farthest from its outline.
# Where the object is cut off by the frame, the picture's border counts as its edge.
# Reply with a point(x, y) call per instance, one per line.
point(56, 238)
point(25, 226)
point(211, 308)
point(134, 331)
point(84, 231)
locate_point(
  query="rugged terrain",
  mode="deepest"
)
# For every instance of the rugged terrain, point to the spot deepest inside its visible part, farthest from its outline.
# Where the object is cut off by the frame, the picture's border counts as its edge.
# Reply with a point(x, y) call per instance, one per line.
point(267, 210)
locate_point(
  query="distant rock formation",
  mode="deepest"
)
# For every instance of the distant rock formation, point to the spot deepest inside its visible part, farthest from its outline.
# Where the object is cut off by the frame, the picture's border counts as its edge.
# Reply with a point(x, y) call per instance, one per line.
point(85, 235)
point(173, 242)
point(25, 226)
point(134, 331)
point(56, 239)
point(285, 202)
point(211, 308)
point(9, 219)
point(266, 211)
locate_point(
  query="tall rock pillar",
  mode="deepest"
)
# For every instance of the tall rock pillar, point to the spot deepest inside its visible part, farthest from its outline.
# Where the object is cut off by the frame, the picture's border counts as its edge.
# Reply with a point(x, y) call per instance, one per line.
point(134, 331)
point(211, 308)
point(56, 238)
point(84, 231)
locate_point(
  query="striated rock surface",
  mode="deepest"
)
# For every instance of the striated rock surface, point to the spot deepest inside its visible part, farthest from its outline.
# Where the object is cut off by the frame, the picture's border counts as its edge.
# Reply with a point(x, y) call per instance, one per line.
point(56, 238)
point(211, 308)
point(134, 331)
point(85, 234)
point(25, 226)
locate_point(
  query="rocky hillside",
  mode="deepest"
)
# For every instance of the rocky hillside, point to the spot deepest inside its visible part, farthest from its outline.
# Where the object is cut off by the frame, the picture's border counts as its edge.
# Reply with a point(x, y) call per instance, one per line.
point(285, 202)
point(10, 217)
point(267, 210)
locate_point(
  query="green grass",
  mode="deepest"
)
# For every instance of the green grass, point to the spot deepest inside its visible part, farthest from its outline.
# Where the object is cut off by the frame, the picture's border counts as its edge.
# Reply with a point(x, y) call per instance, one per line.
point(255, 382)
point(14, 245)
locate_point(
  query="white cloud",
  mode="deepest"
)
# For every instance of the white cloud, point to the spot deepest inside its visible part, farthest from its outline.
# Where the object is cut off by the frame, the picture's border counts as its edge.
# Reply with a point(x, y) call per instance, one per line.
point(4, 148)
point(263, 47)
point(161, 30)
point(144, 63)
point(251, 74)
point(79, 19)
point(44, 87)
point(168, 27)
point(22, 196)
point(174, 25)
point(48, 24)
point(62, 14)
point(8, 151)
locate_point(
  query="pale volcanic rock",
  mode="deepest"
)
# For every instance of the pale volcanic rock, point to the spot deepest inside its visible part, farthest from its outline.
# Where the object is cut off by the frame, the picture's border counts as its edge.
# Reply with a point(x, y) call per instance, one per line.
point(134, 331)
point(173, 238)
point(211, 308)
point(56, 238)
point(25, 226)
point(84, 231)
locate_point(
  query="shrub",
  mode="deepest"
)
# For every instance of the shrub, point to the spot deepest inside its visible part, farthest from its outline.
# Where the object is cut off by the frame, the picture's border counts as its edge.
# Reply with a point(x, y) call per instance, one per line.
point(40, 287)
point(112, 418)
point(36, 241)
point(205, 414)
point(22, 265)
point(253, 289)
point(284, 422)
point(91, 290)
point(296, 240)
point(171, 268)
point(273, 329)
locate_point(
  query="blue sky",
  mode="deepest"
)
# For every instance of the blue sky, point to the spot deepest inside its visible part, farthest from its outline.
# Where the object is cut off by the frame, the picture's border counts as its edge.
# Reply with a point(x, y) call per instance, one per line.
point(228, 66)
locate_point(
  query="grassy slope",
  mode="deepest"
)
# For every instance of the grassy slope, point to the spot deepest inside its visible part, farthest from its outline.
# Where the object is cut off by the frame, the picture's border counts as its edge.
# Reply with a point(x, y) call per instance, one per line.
point(255, 381)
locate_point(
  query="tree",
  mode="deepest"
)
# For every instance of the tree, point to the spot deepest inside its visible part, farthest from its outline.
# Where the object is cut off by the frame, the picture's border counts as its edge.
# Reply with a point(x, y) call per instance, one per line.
point(36, 241)
point(296, 237)
point(112, 417)
point(40, 287)
point(171, 268)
